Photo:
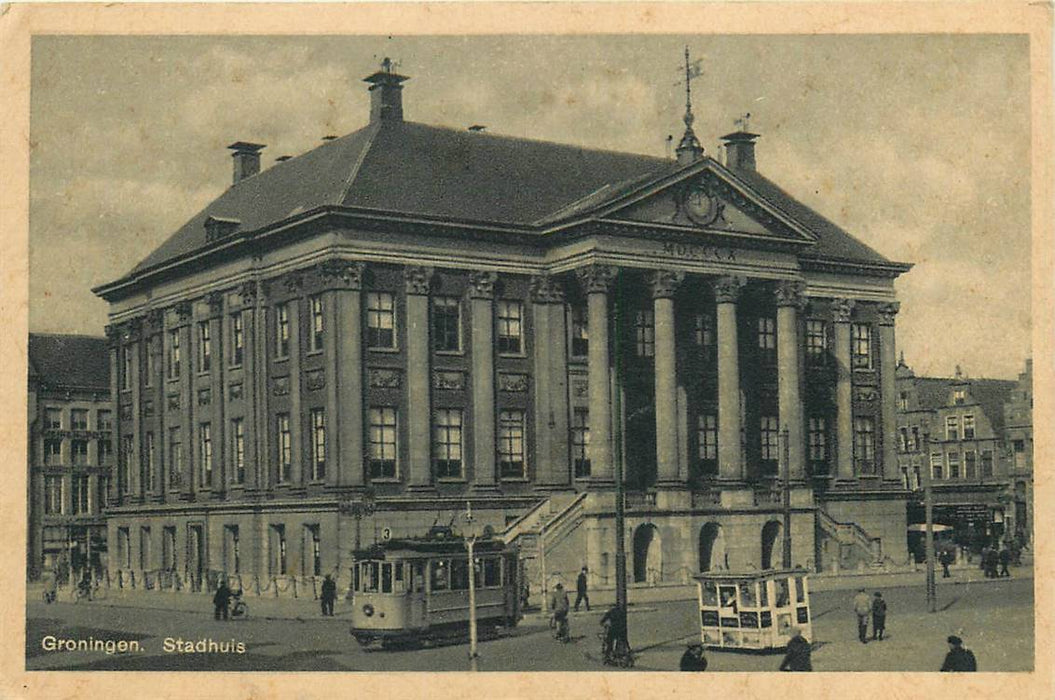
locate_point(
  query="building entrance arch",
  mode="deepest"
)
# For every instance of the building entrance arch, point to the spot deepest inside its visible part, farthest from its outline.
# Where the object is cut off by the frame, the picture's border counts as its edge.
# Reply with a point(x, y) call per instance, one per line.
point(770, 535)
point(648, 554)
point(712, 547)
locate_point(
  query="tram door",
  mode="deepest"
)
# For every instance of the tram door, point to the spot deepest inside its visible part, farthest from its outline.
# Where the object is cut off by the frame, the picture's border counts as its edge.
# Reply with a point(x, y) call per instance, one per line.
point(417, 605)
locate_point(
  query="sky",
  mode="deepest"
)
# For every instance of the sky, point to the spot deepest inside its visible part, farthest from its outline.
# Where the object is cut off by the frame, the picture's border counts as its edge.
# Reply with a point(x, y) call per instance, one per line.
point(918, 145)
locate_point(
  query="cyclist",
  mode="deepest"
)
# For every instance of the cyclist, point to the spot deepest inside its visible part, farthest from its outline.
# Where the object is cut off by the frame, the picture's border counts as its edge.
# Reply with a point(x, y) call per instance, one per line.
point(614, 622)
point(560, 612)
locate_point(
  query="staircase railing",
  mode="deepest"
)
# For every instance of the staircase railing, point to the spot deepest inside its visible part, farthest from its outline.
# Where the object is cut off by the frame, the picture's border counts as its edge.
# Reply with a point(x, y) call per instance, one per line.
point(525, 523)
point(851, 533)
point(560, 525)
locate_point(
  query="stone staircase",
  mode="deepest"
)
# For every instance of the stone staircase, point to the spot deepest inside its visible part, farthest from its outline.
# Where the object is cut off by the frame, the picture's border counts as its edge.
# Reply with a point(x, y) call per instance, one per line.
point(857, 549)
point(542, 528)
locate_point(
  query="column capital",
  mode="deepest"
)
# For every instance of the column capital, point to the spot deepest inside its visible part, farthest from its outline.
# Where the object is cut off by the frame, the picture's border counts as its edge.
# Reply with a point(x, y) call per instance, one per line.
point(341, 274)
point(184, 311)
point(727, 289)
point(155, 320)
point(791, 293)
point(294, 282)
point(215, 302)
point(417, 279)
point(482, 284)
point(665, 283)
point(842, 309)
point(249, 292)
point(113, 332)
point(596, 278)
point(887, 312)
point(546, 290)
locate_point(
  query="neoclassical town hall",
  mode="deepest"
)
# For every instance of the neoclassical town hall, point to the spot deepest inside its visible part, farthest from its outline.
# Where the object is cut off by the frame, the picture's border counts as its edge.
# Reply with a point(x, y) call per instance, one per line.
point(357, 342)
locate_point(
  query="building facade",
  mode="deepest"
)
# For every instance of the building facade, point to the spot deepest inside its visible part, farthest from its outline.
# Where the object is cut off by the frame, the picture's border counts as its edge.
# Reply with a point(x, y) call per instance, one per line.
point(70, 448)
point(357, 342)
point(966, 431)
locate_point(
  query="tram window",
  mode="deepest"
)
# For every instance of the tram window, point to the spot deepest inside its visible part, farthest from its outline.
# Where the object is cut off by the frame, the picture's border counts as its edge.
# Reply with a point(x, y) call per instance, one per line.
point(763, 598)
point(728, 594)
point(400, 568)
point(399, 571)
point(386, 578)
point(710, 593)
point(747, 595)
point(783, 593)
point(355, 577)
point(492, 572)
point(459, 575)
point(441, 575)
point(417, 576)
point(370, 577)
point(800, 589)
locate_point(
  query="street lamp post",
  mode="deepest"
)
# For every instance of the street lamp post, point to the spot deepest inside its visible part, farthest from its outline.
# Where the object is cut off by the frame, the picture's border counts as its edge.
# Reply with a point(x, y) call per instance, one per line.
point(470, 542)
point(928, 506)
point(785, 438)
point(361, 508)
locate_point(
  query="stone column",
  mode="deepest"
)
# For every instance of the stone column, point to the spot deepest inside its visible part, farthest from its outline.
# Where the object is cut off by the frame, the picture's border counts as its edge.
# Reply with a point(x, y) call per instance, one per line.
point(221, 360)
point(664, 285)
point(188, 433)
point(597, 279)
point(481, 300)
point(254, 371)
point(113, 336)
point(348, 341)
point(417, 279)
point(790, 302)
point(295, 285)
point(726, 295)
point(888, 389)
point(550, 412)
point(135, 345)
point(842, 310)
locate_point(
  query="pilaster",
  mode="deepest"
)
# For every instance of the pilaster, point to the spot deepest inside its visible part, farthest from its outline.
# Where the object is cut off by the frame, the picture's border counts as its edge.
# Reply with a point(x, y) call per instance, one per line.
point(481, 300)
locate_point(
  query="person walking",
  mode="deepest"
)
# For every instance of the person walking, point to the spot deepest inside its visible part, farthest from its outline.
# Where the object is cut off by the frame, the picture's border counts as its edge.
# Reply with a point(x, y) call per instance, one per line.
point(222, 600)
point(580, 591)
point(991, 561)
point(797, 657)
point(958, 658)
point(693, 658)
point(614, 624)
point(945, 558)
point(560, 612)
point(862, 608)
point(878, 616)
point(329, 595)
point(1005, 559)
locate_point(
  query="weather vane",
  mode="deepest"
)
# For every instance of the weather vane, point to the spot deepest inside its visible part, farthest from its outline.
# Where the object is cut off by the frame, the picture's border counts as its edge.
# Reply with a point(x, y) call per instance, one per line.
point(690, 145)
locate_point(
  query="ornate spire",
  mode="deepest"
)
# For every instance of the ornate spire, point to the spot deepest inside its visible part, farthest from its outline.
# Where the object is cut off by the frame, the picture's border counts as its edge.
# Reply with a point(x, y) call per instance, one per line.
point(689, 149)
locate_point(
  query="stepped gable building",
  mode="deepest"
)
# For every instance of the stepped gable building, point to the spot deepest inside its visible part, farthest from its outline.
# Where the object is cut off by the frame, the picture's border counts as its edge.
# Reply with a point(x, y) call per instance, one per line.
point(359, 340)
point(71, 422)
point(960, 428)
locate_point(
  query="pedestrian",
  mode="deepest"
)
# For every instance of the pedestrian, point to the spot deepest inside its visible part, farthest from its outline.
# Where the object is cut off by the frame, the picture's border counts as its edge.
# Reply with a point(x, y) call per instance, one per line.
point(797, 657)
point(693, 658)
point(958, 658)
point(862, 608)
point(329, 595)
point(994, 560)
point(581, 595)
point(614, 624)
point(878, 616)
point(560, 612)
point(222, 600)
point(945, 558)
point(1005, 559)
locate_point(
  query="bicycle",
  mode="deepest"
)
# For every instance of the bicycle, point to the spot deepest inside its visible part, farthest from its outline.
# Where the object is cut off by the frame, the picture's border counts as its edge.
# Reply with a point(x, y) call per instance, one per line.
point(240, 607)
point(620, 654)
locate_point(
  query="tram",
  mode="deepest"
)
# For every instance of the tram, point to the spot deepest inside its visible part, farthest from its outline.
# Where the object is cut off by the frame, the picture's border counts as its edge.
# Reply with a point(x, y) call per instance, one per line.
point(414, 590)
point(753, 611)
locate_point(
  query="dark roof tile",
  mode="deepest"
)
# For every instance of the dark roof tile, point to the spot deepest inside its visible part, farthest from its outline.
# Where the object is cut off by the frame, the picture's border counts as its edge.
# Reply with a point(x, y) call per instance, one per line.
point(70, 361)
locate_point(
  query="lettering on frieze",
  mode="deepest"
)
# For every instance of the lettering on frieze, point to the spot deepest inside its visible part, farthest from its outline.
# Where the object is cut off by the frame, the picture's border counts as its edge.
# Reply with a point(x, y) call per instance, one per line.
point(694, 251)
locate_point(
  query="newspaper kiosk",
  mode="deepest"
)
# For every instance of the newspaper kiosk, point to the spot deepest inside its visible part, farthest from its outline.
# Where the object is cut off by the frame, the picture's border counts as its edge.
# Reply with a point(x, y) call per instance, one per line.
point(753, 611)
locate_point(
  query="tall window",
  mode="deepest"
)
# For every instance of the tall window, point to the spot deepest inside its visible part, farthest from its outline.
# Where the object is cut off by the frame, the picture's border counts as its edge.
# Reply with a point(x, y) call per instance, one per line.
point(952, 428)
point(707, 442)
point(510, 327)
point(447, 443)
point(204, 347)
point(317, 324)
point(580, 331)
point(446, 324)
point(285, 448)
point(144, 548)
point(318, 444)
point(580, 442)
point(282, 331)
point(102, 491)
point(53, 418)
point(381, 320)
point(168, 548)
point(861, 345)
point(232, 553)
point(903, 439)
point(987, 463)
point(954, 465)
point(770, 442)
point(511, 444)
point(645, 333)
point(915, 443)
point(79, 419)
point(277, 560)
point(79, 493)
point(106, 450)
point(79, 452)
point(968, 427)
point(936, 467)
point(312, 550)
point(383, 460)
point(864, 441)
point(151, 459)
point(174, 355)
point(238, 450)
point(704, 330)
point(902, 401)
point(124, 548)
point(175, 457)
point(53, 495)
point(126, 368)
point(816, 342)
point(917, 476)
point(126, 464)
point(205, 454)
point(767, 339)
point(105, 420)
point(237, 339)
point(970, 466)
point(52, 452)
point(818, 439)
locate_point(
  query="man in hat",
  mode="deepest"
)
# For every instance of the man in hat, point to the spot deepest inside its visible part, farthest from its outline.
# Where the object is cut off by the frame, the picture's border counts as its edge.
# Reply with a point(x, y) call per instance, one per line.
point(862, 608)
point(560, 611)
point(329, 595)
point(958, 658)
point(580, 591)
point(878, 616)
point(693, 658)
point(797, 657)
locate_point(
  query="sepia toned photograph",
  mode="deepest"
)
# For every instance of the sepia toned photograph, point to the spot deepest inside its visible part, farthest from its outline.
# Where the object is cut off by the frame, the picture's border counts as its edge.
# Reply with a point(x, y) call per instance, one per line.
point(638, 352)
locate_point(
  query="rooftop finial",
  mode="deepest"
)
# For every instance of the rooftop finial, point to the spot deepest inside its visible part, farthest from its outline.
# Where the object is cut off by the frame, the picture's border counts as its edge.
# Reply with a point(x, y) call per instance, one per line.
point(689, 149)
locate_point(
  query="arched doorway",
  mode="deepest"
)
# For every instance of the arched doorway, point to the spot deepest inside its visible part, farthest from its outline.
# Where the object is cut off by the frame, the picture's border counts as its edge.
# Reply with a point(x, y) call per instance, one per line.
point(712, 547)
point(648, 554)
point(770, 535)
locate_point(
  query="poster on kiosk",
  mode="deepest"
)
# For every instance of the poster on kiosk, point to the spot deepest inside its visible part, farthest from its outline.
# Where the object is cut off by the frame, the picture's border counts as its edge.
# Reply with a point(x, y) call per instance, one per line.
point(755, 610)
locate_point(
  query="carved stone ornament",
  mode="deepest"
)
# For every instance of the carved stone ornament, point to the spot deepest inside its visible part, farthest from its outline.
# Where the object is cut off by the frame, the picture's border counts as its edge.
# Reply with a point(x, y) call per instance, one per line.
point(155, 319)
point(842, 310)
point(596, 278)
point(580, 388)
point(204, 397)
point(887, 312)
point(126, 411)
point(281, 386)
point(546, 290)
point(113, 331)
point(173, 402)
point(248, 292)
point(515, 383)
point(665, 283)
point(184, 310)
point(417, 279)
point(343, 274)
point(294, 282)
point(865, 393)
point(215, 302)
point(449, 380)
point(234, 391)
point(385, 378)
point(791, 293)
point(315, 379)
point(148, 407)
point(482, 284)
point(727, 289)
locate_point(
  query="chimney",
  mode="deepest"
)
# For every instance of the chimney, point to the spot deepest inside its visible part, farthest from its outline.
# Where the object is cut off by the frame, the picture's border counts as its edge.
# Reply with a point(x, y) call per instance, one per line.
point(246, 159)
point(386, 94)
point(740, 150)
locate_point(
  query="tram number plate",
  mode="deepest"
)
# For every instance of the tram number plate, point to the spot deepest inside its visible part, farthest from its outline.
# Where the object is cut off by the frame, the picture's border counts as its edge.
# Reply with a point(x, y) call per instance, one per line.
point(386, 533)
